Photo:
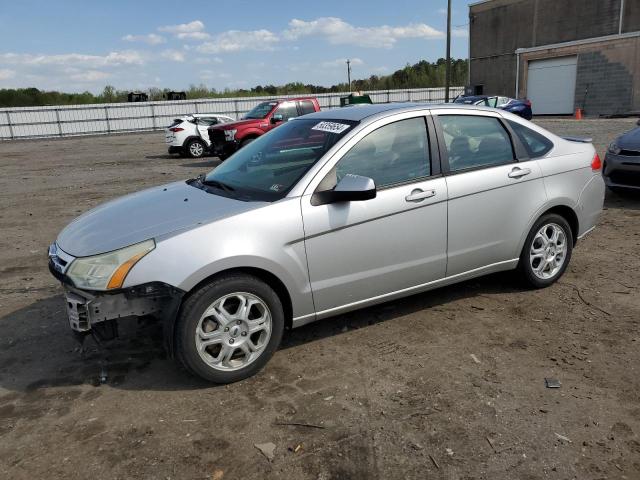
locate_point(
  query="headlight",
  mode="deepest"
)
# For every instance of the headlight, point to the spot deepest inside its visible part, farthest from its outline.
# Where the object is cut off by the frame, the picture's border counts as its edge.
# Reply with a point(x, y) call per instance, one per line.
point(615, 149)
point(230, 135)
point(107, 271)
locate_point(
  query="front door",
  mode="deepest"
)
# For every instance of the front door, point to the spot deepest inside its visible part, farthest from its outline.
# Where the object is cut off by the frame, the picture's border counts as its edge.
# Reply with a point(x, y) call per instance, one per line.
point(357, 251)
point(493, 195)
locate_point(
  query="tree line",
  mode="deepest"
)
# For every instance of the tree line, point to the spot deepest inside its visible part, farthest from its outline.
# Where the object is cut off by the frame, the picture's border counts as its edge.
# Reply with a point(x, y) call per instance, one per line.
point(423, 74)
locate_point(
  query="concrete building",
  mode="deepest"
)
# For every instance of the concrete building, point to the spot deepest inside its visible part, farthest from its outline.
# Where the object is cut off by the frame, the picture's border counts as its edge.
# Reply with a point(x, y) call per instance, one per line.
point(561, 54)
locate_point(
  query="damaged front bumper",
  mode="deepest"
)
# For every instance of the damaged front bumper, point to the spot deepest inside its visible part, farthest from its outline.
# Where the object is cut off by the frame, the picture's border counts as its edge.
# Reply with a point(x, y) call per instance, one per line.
point(85, 309)
point(88, 308)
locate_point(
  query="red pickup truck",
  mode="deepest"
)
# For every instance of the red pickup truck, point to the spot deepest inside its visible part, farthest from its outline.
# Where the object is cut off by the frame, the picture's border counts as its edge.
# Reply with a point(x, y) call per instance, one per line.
point(229, 137)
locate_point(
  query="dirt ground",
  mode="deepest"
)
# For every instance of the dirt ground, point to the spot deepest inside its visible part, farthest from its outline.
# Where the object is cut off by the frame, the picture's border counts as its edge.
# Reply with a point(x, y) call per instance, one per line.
point(396, 389)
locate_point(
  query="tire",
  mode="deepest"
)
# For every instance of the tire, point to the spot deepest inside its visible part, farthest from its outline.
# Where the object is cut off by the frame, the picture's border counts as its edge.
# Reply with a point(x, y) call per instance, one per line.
point(195, 148)
point(535, 252)
point(246, 142)
point(226, 331)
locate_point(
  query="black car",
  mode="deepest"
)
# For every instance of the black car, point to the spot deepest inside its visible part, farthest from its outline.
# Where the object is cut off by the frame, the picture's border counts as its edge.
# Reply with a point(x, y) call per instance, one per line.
point(621, 168)
point(520, 107)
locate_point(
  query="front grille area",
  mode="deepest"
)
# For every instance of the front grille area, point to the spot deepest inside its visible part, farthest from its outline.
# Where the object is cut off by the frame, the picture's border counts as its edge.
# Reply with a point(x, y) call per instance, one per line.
point(626, 178)
point(216, 136)
point(630, 153)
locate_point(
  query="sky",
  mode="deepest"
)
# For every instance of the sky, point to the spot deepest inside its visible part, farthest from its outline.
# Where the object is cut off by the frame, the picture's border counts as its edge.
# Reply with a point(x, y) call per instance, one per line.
point(78, 45)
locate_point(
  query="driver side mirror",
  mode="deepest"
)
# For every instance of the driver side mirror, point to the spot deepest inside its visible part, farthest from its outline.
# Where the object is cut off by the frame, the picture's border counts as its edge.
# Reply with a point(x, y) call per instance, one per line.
point(352, 188)
point(277, 117)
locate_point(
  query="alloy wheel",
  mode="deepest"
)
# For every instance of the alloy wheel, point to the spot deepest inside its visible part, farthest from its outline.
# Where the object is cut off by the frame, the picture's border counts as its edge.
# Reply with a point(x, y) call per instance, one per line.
point(233, 331)
point(548, 251)
point(196, 149)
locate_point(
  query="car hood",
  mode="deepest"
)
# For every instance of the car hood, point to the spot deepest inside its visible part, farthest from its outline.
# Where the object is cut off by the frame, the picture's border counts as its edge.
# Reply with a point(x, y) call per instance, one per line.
point(629, 140)
point(144, 215)
point(238, 124)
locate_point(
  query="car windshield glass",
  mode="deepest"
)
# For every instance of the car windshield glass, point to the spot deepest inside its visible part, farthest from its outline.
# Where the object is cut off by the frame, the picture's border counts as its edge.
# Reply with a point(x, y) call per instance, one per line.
point(261, 110)
point(271, 165)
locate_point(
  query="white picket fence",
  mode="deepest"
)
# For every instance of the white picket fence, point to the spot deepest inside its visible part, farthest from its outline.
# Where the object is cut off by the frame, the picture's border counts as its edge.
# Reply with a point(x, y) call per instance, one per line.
point(107, 118)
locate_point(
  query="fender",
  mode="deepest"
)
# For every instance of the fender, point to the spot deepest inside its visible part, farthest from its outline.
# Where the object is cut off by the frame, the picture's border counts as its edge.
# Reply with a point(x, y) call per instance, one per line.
point(249, 132)
point(299, 291)
point(192, 137)
point(556, 202)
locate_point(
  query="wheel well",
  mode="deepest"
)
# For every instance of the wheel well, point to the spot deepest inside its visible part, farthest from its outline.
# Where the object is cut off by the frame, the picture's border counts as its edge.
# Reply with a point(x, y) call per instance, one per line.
point(570, 216)
point(250, 136)
point(268, 278)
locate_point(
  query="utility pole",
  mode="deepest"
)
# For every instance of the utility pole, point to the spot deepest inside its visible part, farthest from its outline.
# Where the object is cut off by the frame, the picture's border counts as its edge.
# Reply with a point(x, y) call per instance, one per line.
point(447, 79)
point(349, 73)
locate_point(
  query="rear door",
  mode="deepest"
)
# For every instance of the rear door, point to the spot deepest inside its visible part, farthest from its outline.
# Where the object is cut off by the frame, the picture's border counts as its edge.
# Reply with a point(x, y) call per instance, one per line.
point(288, 110)
point(494, 189)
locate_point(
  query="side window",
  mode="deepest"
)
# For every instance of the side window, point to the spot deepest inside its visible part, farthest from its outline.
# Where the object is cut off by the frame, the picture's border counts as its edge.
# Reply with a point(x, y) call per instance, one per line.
point(207, 121)
point(492, 101)
point(394, 153)
point(288, 110)
point(536, 144)
point(306, 106)
point(475, 141)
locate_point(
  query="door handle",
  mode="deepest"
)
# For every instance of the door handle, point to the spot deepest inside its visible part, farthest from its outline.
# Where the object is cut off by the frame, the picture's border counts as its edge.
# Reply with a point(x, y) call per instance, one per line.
point(418, 195)
point(518, 172)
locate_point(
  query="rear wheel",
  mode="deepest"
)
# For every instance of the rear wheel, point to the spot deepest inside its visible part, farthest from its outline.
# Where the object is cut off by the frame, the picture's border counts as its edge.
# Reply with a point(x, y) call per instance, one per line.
point(195, 148)
point(229, 328)
point(547, 251)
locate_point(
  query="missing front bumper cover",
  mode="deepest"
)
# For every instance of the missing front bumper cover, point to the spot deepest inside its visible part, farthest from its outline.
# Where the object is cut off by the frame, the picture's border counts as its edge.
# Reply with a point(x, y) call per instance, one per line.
point(86, 309)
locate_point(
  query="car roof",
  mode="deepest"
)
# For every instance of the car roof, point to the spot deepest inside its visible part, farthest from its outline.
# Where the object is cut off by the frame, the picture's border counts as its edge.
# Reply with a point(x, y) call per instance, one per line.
point(360, 112)
point(207, 115)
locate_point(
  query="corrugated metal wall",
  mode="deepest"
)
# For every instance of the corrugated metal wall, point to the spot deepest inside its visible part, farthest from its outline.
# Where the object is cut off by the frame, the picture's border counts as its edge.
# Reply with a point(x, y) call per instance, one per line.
point(62, 121)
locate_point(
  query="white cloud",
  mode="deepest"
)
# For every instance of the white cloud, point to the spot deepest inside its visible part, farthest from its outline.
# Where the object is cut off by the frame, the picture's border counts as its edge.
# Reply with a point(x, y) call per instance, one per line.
point(150, 39)
point(72, 71)
point(212, 75)
point(125, 57)
point(207, 60)
point(338, 32)
point(6, 74)
point(236, 40)
point(342, 62)
point(191, 27)
point(193, 36)
point(173, 55)
point(89, 76)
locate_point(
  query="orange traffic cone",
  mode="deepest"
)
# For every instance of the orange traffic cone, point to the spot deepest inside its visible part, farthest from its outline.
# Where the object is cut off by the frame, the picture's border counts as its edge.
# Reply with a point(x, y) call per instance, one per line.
point(578, 114)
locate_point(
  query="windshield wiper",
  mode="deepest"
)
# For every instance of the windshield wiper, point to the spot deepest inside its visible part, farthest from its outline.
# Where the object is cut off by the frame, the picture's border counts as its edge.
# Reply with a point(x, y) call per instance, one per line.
point(217, 184)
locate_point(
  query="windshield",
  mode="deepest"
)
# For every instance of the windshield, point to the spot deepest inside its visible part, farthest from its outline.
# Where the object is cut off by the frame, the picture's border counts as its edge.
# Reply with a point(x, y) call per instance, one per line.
point(271, 165)
point(261, 110)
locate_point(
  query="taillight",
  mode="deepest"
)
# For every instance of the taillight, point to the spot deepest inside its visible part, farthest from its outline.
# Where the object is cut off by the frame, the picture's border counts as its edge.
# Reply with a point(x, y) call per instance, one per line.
point(527, 102)
point(596, 164)
point(176, 129)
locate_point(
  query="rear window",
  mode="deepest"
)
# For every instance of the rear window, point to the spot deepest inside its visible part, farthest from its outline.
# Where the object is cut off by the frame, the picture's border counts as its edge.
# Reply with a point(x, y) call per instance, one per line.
point(176, 121)
point(306, 106)
point(537, 145)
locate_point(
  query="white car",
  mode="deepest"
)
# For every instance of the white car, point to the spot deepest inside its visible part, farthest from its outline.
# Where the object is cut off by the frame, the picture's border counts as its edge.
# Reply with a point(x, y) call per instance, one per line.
point(188, 135)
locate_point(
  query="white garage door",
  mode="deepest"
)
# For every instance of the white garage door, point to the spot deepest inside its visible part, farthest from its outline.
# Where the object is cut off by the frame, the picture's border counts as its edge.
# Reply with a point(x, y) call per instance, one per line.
point(551, 85)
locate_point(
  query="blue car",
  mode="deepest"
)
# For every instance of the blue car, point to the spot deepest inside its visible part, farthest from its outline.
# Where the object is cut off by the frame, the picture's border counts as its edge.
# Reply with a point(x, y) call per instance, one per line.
point(521, 107)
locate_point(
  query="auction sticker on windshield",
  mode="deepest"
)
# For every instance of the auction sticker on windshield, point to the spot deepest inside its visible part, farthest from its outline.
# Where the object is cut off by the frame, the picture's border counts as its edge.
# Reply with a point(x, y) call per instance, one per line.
point(331, 127)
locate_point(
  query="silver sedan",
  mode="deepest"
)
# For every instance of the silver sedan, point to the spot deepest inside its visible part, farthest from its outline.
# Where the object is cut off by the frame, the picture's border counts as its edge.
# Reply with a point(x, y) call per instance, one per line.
point(331, 212)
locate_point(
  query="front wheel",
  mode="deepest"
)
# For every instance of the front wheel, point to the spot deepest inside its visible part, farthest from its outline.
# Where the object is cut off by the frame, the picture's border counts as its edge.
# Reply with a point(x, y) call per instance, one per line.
point(547, 251)
point(229, 328)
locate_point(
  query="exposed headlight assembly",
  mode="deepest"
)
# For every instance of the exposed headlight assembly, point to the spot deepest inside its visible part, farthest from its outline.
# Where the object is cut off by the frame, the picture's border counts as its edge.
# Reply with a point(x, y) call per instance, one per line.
point(230, 135)
point(108, 270)
point(615, 149)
